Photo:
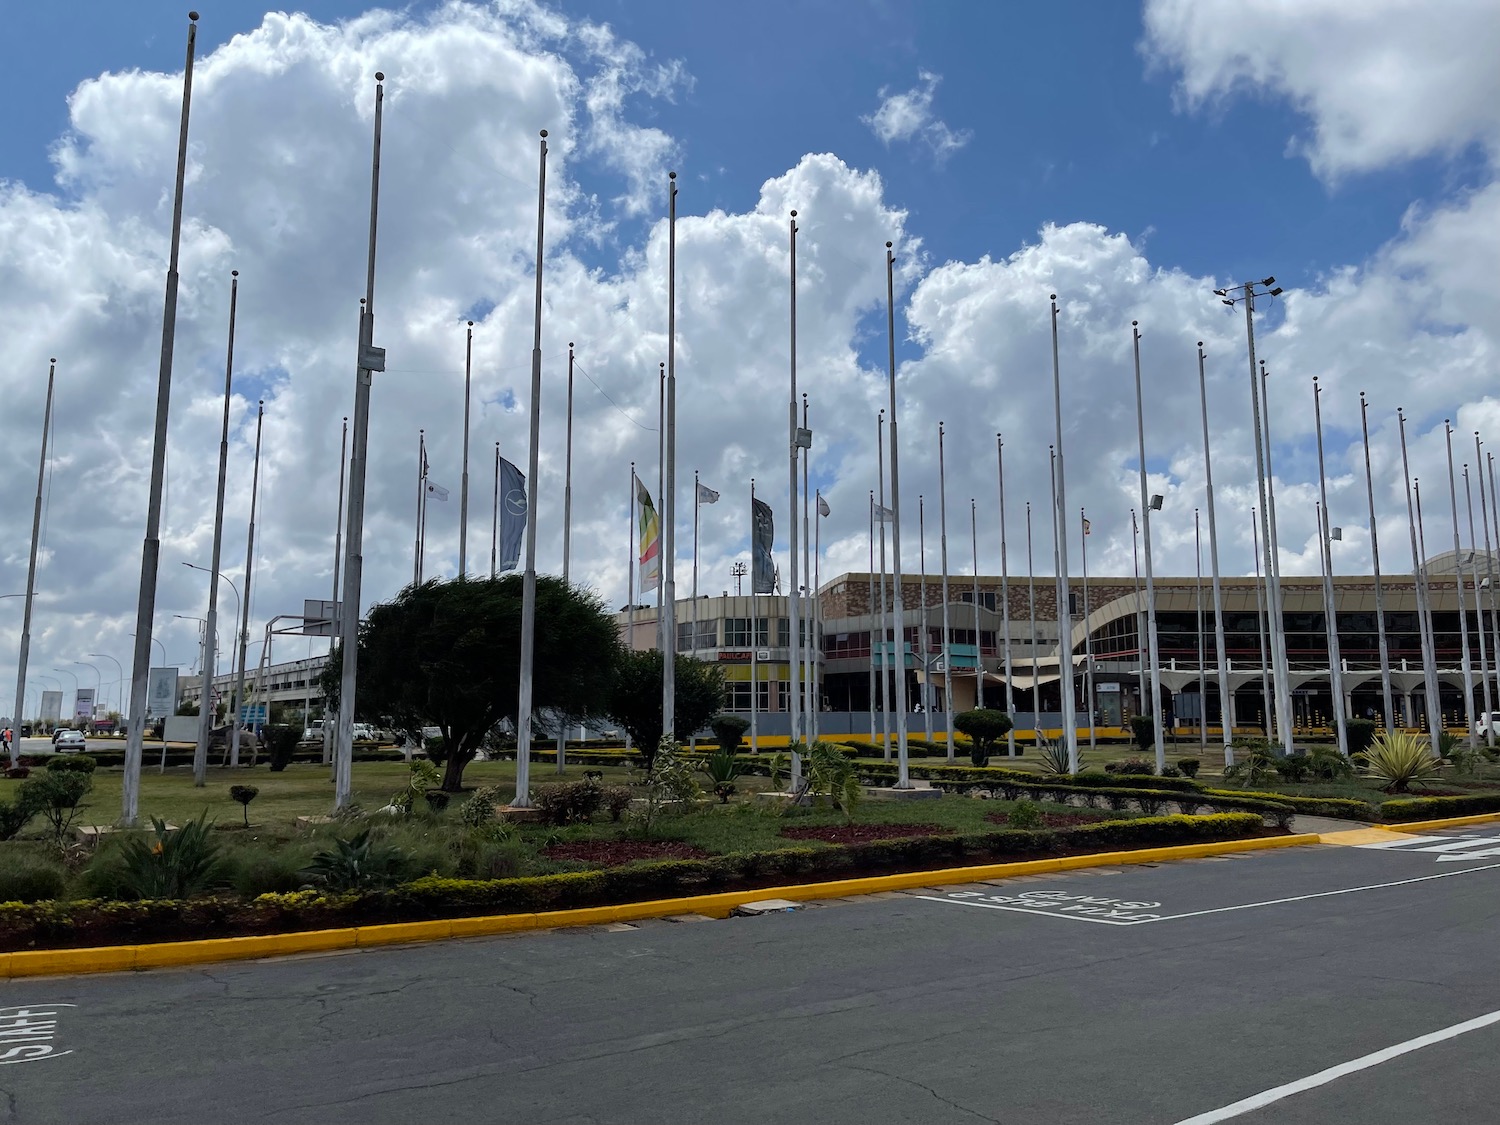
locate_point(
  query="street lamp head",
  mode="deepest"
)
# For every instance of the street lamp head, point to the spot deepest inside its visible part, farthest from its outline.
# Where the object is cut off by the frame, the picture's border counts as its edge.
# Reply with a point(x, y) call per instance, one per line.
point(1227, 301)
point(1268, 281)
point(1276, 292)
point(1336, 534)
point(1221, 292)
point(1156, 501)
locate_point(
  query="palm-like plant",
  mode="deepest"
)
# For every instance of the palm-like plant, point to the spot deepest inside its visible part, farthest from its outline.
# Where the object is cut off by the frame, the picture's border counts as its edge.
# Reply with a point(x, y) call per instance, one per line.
point(170, 863)
point(1400, 760)
point(1055, 756)
point(831, 773)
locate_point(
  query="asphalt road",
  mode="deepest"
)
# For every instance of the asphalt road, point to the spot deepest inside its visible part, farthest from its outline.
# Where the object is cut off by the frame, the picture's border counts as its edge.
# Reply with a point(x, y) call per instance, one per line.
point(1138, 995)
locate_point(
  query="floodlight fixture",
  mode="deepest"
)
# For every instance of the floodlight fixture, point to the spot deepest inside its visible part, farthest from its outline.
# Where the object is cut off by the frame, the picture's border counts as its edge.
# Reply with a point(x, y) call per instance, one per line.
point(1156, 502)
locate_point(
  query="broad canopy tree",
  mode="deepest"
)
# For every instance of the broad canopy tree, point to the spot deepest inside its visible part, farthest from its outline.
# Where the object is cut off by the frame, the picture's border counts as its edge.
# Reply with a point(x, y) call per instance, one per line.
point(447, 653)
point(635, 699)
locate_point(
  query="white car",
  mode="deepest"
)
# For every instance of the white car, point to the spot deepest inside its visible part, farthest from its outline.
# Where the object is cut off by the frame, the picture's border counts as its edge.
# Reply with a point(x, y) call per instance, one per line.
point(1486, 723)
point(69, 742)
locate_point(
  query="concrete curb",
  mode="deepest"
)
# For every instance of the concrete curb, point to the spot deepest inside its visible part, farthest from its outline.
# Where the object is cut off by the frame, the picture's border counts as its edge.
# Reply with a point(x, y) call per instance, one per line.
point(110, 959)
point(1451, 822)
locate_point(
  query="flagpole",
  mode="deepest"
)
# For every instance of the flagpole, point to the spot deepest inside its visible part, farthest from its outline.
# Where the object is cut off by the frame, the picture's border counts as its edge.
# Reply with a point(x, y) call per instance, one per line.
point(1465, 657)
point(1433, 702)
point(873, 620)
point(669, 490)
point(1385, 654)
point(528, 586)
point(338, 556)
point(754, 639)
point(1010, 700)
point(693, 651)
point(926, 692)
point(1059, 609)
point(943, 561)
point(1152, 647)
point(1484, 656)
point(885, 617)
point(1031, 611)
point(495, 512)
point(1065, 604)
point(1088, 651)
point(794, 449)
point(211, 620)
point(1493, 511)
point(804, 635)
point(978, 636)
point(416, 549)
point(239, 693)
point(1198, 592)
point(903, 777)
point(661, 480)
point(463, 498)
point(1489, 580)
point(562, 728)
point(1221, 656)
point(1273, 575)
point(630, 557)
point(1325, 553)
point(36, 529)
point(1262, 626)
point(817, 613)
point(1140, 614)
point(151, 546)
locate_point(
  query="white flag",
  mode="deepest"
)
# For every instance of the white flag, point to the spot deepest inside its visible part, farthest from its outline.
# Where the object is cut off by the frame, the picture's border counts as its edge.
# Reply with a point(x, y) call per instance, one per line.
point(707, 495)
point(884, 515)
point(436, 491)
point(823, 509)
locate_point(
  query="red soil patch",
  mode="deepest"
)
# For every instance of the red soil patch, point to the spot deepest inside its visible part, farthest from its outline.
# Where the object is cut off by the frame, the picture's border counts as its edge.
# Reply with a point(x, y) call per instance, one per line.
point(1052, 819)
point(863, 833)
point(612, 853)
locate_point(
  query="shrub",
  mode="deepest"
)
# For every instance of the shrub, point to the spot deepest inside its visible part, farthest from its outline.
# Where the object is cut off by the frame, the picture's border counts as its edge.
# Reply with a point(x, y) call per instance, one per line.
point(1138, 766)
point(72, 763)
point(31, 878)
point(1330, 765)
point(1189, 766)
point(244, 794)
point(615, 800)
point(281, 743)
point(671, 781)
point(1359, 734)
point(1055, 756)
point(56, 796)
point(984, 727)
point(729, 730)
point(1400, 760)
point(569, 802)
point(479, 810)
point(424, 776)
point(1437, 808)
point(437, 800)
point(1465, 760)
point(1293, 767)
point(1150, 803)
point(18, 773)
point(1170, 770)
point(14, 816)
point(722, 769)
point(1255, 766)
point(1143, 730)
point(1024, 815)
point(169, 864)
point(354, 864)
point(491, 855)
point(258, 870)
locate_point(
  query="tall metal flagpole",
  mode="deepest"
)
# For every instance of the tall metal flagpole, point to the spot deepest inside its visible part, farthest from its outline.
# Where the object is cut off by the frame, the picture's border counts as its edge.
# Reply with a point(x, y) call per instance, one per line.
point(1278, 619)
point(495, 511)
point(1416, 489)
point(1385, 652)
point(1433, 701)
point(697, 509)
point(925, 695)
point(1060, 521)
point(794, 451)
point(1058, 608)
point(416, 551)
point(1036, 703)
point(145, 615)
point(1221, 656)
point(1261, 627)
point(978, 636)
point(1467, 663)
point(338, 557)
point(239, 690)
point(872, 622)
point(1198, 592)
point(1484, 656)
point(754, 638)
point(463, 492)
point(1489, 577)
point(36, 531)
point(819, 511)
point(371, 360)
point(1325, 553)
point(630, 566)
point(885, 619)
point(943, 562)
point(211, 620)
point(661, 480)
point(1153, 648)
point(899, 610)
point(1010, 696)
point(1142, 649)
point(1088, 647)
point(669, 488)
point(1494, 512)
point(562, 730)
point(528, 587)
point(806, 637)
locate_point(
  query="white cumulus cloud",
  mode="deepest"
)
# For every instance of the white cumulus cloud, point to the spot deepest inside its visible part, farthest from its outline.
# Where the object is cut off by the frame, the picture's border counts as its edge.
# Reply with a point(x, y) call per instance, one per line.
point(908, 115)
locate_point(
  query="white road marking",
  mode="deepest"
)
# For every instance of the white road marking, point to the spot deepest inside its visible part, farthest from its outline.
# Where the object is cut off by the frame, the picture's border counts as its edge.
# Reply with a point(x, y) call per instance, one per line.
point(1035, 913)
point(1458, 845)
point(1323, 1077)
point(1484, 853)
point(1403, 842)
point(1330, 894)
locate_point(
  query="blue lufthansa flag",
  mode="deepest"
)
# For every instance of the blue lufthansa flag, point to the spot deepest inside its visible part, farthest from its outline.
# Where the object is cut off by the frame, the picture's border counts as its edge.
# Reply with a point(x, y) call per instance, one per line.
point(512, 515)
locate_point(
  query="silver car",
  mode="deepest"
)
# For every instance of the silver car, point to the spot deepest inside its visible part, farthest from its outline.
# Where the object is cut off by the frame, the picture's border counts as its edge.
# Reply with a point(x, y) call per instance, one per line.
point(70, 742)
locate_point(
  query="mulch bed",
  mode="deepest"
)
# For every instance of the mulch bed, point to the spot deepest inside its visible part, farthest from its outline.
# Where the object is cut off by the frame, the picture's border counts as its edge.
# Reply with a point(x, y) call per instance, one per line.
point(1052, 819)
point(863, 833)
point(612, 853)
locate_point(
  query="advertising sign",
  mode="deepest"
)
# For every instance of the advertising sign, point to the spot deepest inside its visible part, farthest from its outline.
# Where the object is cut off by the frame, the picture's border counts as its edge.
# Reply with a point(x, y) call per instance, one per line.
point(83, 704)
point(51, 706)
point(161, 693)
point(320, 618)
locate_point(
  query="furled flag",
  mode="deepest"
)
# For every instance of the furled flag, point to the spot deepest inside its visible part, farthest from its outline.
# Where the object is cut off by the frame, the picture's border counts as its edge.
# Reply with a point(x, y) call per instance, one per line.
point(884, 515)
point(762, 535)
point(707, 495)
point(1087, 527)
point(650, 532)
point(512, 515)
point(823, 509)
point(436, 491)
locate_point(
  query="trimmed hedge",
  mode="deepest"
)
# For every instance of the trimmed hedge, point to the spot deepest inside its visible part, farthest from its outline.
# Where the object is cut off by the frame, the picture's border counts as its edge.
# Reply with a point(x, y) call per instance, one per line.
point(1437, 808)
point(996, 774)
point(1336, 808)
point(101, 922)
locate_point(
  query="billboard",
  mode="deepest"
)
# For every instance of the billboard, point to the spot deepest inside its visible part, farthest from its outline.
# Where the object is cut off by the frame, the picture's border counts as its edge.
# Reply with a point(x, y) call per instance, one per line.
point(83, 704)
point(161, 693)
point(320, 618)
point(51, 706)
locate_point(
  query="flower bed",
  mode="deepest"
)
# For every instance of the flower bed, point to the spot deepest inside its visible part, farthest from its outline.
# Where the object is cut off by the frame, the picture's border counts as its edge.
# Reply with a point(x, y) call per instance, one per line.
point(862, 833)
point(612, 853)
point(1051, 819)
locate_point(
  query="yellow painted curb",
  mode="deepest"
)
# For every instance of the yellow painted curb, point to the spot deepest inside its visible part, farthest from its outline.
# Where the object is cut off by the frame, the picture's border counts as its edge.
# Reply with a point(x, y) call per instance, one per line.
point(1354, 837)
point(1451, 822)
point(108, 959)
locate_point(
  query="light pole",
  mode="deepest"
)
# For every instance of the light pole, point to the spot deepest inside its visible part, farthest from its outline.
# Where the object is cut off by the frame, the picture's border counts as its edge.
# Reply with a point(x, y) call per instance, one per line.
point(1148, 505)
point(74, 678)
point(119, 674)
point(98, 682)
point(36, 526)
point(234, 700)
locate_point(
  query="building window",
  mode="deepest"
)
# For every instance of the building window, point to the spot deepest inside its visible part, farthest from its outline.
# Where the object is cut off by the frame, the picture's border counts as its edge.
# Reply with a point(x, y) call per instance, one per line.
point(708, 635)
point(986, 599)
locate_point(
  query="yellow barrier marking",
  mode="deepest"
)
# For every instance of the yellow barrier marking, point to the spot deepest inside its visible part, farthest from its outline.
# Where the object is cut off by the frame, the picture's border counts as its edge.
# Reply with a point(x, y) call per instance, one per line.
point(1356, 837)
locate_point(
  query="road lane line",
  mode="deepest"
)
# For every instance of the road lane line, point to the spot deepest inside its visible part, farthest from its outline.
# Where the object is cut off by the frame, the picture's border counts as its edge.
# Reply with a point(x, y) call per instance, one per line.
point(1402, 842)
point(1323, 1077)
point(1329, 894)
point(1036, 913)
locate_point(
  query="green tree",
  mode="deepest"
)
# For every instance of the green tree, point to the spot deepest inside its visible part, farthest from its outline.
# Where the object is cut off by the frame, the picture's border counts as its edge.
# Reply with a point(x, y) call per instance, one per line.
point(984, 728)
point(447, 654)
point(634, 699)
point(729, 730)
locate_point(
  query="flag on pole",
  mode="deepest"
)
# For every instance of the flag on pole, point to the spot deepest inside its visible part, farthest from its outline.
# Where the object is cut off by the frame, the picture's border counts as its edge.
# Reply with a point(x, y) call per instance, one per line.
point(650, 538)
point(884, 514)
point(437, 491)
point(1087, 527)
point(707, 495)
point(823, 509)
point(762, 534)
point(512, 515)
